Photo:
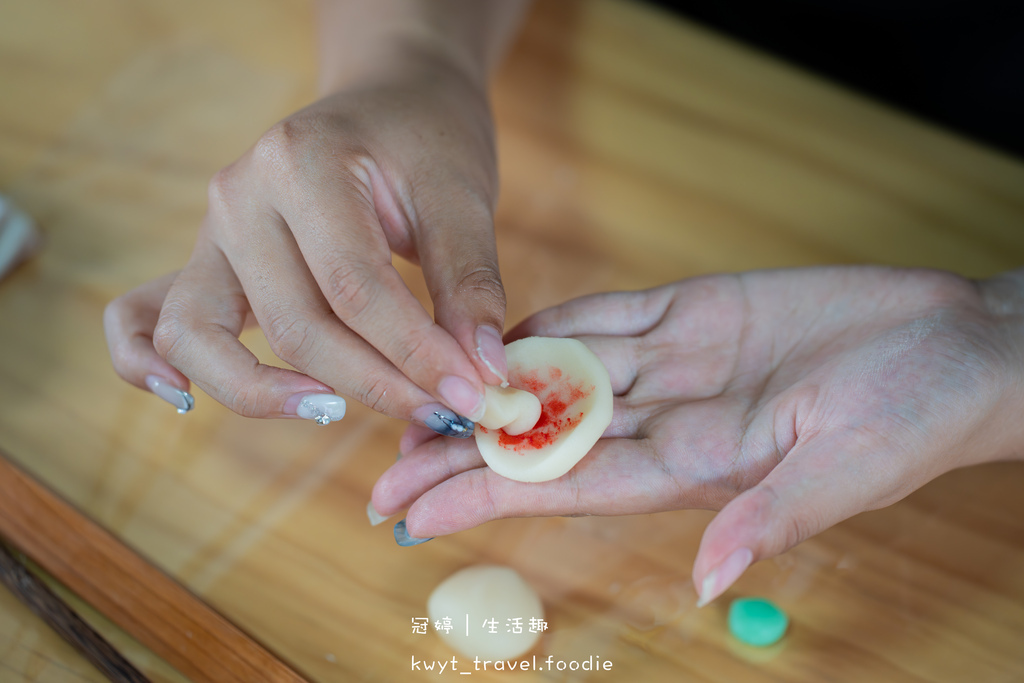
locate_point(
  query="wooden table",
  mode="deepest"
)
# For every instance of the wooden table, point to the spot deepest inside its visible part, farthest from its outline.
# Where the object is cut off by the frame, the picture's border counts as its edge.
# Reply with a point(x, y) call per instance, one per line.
point(635, 149)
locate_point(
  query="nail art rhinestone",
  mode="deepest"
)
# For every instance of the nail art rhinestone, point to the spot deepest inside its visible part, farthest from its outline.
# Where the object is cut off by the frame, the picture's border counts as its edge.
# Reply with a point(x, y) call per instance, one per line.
point(322, 408)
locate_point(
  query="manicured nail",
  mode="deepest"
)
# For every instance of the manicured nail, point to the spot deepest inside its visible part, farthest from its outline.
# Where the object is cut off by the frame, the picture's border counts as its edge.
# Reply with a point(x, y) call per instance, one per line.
point(462, 397)
point(491, 352)
point(320, 408)
point(724, 575)
point(443, 421)
point(374, 516)
point(18, 236)
point(182, 400)
point(403, 538)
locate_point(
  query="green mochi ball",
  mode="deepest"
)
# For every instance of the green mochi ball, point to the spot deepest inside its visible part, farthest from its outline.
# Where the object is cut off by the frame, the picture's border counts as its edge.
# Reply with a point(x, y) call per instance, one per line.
point(757, 621)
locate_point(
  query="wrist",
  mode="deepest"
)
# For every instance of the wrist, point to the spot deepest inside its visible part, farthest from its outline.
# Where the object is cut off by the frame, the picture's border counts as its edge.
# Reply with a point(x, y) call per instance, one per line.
point(362, 41)
point(400, 57)
point(1003, 296)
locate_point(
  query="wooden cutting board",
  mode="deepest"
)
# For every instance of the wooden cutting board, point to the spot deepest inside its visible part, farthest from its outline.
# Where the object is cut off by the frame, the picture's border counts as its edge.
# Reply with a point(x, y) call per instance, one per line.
point(635, 149)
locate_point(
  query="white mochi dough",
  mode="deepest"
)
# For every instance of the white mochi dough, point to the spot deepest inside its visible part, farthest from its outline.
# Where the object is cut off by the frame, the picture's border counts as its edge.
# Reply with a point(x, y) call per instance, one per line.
point(513, 410)
point(485, 593)
point(575, 395)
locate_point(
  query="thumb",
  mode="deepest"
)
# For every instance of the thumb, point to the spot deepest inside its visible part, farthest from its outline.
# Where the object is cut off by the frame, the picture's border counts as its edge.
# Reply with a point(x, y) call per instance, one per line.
point(813, 488)
point(460, 265)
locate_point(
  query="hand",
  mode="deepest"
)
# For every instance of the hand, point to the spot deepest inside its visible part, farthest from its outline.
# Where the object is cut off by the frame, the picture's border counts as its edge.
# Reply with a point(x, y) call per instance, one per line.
point(299, 237)
point(790, 400)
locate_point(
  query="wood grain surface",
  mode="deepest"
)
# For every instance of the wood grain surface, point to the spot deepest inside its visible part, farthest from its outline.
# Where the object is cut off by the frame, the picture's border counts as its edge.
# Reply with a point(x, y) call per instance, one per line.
point(47, 605)
point(635, 149)
point(136, 596)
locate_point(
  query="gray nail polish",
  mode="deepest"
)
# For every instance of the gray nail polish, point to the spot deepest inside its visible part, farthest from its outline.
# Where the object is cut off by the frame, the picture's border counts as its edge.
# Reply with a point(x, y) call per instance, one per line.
point(444, 421)
point(403, 538)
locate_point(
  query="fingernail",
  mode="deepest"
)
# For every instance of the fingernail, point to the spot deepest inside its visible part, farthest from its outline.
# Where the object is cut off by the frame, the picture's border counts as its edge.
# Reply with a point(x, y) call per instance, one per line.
point(444, 421)
point(182, 400)
point(491, 352)
point(403, 538)
point(18, 236)
point(374, 516)
point(724, 575)
point(320, 408)
point(462, 397)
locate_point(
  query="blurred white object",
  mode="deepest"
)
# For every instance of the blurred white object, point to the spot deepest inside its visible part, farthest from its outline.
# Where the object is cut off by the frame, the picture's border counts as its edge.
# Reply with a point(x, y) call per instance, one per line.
point(18, 236)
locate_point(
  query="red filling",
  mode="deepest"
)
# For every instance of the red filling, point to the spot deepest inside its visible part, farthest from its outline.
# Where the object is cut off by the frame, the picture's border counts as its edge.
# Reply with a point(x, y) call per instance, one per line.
point(558, 395)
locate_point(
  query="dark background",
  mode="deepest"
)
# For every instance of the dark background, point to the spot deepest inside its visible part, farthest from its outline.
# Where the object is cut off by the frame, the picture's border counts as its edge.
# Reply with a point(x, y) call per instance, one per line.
point(957, 63)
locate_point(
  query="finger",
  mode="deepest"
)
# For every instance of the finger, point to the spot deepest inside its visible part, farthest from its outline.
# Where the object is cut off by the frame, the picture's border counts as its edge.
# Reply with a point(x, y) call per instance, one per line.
point(617, 477)
point(460, 266)
point(805, 494)
point(422, 467)
point(128, 322)
point(345, 247)
point(413, 437)
point(614, 313)
point(302, 329)
point(620, 356)
point(427, 462)
point(197, 333)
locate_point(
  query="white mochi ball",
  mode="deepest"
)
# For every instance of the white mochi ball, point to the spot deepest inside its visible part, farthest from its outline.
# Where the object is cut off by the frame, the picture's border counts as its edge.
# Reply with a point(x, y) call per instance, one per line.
point(494, 598)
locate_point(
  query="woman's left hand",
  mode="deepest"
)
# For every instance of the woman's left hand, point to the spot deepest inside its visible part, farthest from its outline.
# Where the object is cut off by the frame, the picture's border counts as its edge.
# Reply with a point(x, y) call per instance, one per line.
point(791, 400)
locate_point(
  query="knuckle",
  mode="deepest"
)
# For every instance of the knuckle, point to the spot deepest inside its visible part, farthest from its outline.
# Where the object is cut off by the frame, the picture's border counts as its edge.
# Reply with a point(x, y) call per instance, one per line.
point(289, 335)
point(487, 504)
point(117, 337)
point(767, 510)
point(796, 529)
point(113, 315)
point(372, 393)
point(171, 335)
point(482, 282)
point(280, 148)
point(225, 197)
point(221, 189)
point(349, 288)
point(450, 462)
point(576, 508)
point(244, 400)
point(414, 353)
point(361, 167)
point(275, 141)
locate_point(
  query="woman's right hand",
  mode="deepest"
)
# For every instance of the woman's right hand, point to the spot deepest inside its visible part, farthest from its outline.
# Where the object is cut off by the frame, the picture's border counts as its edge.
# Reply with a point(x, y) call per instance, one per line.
point(299, 236)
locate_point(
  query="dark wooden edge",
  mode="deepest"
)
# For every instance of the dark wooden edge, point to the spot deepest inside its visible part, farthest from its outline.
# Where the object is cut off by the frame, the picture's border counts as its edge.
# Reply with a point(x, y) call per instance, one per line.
point(38, 597)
